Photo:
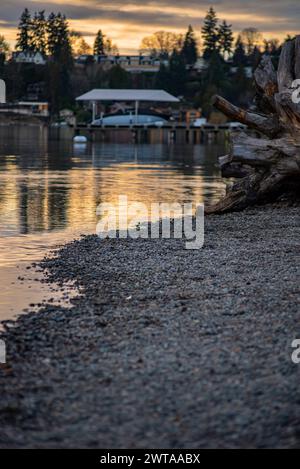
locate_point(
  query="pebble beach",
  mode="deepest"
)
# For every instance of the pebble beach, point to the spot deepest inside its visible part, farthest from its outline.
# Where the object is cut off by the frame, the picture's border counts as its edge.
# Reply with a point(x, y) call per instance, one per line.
point(164, 347)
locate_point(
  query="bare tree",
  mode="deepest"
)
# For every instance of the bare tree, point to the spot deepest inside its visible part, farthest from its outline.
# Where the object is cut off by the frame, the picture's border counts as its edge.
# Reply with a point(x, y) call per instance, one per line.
point(4, 46)
point(78, 44)
point(251, 38)
point(162, 43)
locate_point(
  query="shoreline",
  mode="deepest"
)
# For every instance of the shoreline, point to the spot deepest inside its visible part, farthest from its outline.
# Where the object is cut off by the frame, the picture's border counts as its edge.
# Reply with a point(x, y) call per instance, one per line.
point(167, 348)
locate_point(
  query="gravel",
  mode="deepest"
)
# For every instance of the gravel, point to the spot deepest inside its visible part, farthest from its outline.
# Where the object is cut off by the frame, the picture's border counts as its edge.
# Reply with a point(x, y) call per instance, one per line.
point(166, 348)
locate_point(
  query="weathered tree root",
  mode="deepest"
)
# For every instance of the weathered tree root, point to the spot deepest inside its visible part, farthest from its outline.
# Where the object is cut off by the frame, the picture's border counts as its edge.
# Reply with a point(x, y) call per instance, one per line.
point(267, 162)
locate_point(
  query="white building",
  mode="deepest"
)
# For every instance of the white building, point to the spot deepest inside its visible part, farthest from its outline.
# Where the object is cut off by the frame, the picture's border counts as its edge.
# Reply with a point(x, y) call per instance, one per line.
point(136, 63)
point(131, 63)
point(200, 65)
point(27, 108)
point(29, 58)
point(247, 70)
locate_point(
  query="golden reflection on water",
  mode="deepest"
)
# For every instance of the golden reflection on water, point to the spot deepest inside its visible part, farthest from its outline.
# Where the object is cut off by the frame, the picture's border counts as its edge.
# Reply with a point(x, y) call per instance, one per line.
point(49, 191)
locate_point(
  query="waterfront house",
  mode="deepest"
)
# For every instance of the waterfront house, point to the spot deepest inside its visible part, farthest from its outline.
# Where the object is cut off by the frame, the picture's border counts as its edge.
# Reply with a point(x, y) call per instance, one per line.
point(130, 63)
point(27, 108)
point(29, 57)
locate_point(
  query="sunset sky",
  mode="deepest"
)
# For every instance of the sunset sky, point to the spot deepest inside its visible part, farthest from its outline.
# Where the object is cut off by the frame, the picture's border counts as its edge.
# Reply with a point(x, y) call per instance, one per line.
point(128, 22)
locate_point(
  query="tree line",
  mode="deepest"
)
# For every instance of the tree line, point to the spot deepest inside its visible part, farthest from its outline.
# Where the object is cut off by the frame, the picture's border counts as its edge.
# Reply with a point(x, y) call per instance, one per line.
point(51, 36)
point(228, 61)
point(227, 68)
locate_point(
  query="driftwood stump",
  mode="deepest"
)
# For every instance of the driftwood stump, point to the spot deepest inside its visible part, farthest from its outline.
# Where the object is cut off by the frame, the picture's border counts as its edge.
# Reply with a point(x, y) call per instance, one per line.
point(266, 160)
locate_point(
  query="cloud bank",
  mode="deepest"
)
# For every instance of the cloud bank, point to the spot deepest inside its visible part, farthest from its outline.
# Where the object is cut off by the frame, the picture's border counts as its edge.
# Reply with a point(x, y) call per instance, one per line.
point(128, 22)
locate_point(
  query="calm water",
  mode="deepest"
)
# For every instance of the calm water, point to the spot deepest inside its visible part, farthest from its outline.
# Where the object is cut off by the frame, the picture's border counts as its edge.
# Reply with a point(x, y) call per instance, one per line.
point(49, 191)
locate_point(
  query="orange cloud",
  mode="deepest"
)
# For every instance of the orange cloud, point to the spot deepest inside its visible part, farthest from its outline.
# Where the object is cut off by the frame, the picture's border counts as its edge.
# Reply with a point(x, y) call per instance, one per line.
point(128, 22)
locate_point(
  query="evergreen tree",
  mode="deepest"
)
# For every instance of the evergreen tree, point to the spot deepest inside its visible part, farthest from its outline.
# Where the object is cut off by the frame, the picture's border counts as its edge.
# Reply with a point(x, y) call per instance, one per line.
point(99, 44)
point(242, 84)
point(210, 33)
point(189, 49)
point(51, 34)
point(163, 78)
point(4, 49)
point(60, 51)
point(178, 73)
point(118, 78)
point(255, 57)
point(214, 81)
point(216, 72)
point(2, 62)
point(39, 32)
point(59, 44)
point(104, 46)
point(239, 55)
point(225, 38)
point(24, 37)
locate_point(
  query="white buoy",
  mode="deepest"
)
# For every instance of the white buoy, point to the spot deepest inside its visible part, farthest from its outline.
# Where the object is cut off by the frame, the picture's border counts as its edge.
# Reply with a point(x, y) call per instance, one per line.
point(80, 139)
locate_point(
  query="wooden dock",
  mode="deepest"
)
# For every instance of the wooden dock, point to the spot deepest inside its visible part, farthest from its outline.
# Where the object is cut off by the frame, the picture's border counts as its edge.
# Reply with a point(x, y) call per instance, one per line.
point(171, 133)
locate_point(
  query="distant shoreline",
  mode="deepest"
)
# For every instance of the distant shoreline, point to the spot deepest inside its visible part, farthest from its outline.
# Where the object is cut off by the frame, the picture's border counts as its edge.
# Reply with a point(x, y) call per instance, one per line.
point(18, 119)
